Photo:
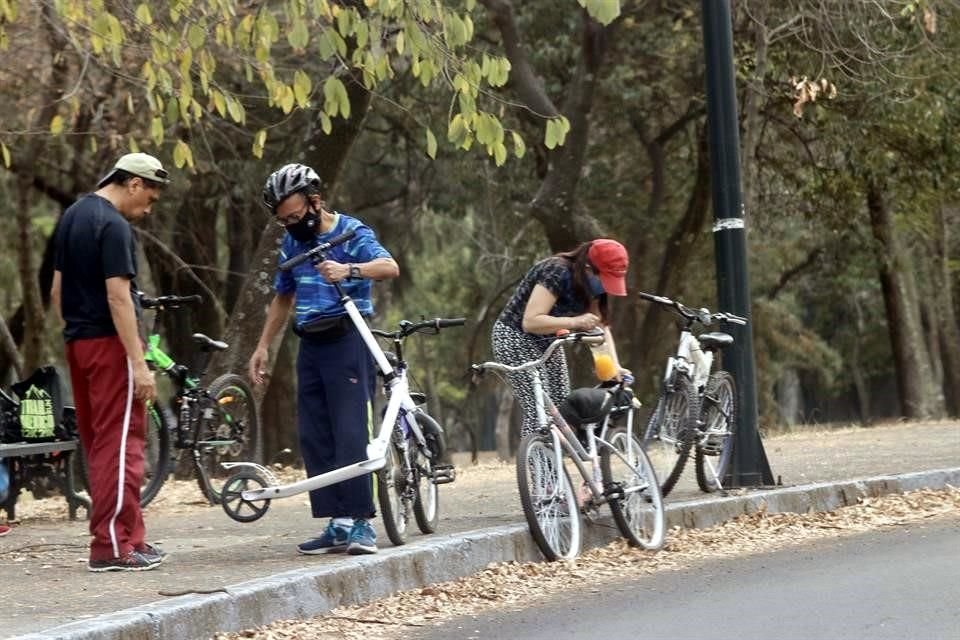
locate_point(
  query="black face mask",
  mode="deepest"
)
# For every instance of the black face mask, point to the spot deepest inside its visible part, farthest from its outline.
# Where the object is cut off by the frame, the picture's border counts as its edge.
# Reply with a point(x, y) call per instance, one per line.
point(304, 229)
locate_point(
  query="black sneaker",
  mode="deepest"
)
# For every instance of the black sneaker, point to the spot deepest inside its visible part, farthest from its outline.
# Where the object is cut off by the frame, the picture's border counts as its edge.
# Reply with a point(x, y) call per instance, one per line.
point(133, 561)
point(152, 553)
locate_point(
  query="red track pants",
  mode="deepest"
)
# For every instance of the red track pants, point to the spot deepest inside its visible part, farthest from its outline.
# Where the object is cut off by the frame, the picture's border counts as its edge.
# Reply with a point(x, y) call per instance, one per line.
point(111, 423)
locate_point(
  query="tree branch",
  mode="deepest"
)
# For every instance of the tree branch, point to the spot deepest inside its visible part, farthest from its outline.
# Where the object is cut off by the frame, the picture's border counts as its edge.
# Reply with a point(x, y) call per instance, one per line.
point(523, 78)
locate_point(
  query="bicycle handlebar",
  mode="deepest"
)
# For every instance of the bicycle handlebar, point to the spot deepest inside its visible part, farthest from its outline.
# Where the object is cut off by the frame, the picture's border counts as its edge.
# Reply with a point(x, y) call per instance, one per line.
point(407, 328)
point(701, 315)
point(172, 302)
point(594, 337)
point(317, 253)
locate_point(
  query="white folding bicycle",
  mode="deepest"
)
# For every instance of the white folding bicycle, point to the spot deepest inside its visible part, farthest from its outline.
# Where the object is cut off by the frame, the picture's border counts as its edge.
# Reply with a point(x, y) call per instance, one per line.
point(404, 455)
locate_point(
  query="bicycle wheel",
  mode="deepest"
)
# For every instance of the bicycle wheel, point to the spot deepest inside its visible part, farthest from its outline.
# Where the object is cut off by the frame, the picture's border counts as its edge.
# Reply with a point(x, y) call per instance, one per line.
point(639, 511)
point(156, 456)
point(393, 495)
point(548, 500)
point(719, 418)
point(229, 432)
point(671, 429)
point(426, 497)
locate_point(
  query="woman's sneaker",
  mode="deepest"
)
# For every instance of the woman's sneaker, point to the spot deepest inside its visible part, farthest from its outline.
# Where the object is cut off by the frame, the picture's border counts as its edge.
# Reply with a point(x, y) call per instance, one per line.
point(133, 561)
point(363, 539)
point(4, 529)
point(334, 539)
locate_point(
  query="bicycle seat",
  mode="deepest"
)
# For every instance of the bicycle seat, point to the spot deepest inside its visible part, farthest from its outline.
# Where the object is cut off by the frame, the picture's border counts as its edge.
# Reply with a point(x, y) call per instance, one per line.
point(209, 344)
point(589, 406)
point(714, 340)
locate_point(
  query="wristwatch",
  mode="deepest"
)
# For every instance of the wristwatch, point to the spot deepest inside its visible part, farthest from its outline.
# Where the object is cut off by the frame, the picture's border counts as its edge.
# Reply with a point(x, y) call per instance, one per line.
point(355, 272)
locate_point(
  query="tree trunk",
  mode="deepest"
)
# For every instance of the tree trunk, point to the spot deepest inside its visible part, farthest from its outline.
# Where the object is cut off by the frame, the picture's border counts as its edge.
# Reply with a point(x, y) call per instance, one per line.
point(919, 396)
point(789, 397)
point(33, 316)
point(554, 204)
point(950, 331)
point(654, 343)
point(752, 124)
point(504, 422)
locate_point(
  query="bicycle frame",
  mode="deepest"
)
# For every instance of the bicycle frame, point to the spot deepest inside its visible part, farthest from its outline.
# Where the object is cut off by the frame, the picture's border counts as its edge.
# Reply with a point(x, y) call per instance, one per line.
point(690, 359)
point(564, 438)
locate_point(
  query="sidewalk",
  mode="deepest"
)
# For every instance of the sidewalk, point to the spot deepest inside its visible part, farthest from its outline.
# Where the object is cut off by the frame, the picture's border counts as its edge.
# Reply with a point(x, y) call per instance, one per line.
point(46, 584)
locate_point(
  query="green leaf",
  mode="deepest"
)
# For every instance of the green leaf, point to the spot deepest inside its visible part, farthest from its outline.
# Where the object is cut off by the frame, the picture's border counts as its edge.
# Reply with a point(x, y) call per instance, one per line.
point(182, 155)
point(56, 125)
point(298, 36)
point(196, 36)
point(143, 14)
point(235, 109)
point(259, 141)
point(431, 145)
point(325, 123)
point(499, 154)
point(551, 136)
point(301, 87)
point(219, 103)
point(603, 11)
point(156, 130)
point(286, 99)
point(336, 97)
point(519, 147)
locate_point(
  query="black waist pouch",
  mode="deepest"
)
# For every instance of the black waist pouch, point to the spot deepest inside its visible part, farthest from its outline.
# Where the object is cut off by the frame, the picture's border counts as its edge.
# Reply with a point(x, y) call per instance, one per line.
point(324, 329)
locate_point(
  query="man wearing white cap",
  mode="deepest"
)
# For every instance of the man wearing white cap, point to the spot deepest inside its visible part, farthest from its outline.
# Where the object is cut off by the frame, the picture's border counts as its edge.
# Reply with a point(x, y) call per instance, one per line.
point(94, 287)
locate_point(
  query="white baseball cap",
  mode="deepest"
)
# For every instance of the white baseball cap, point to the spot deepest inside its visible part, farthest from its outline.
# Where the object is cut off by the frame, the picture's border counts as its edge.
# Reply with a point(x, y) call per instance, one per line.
point(139, 164)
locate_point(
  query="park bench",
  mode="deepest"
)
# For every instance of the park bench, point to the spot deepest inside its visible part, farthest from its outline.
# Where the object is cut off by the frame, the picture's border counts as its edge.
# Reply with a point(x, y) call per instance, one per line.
point(40, 466)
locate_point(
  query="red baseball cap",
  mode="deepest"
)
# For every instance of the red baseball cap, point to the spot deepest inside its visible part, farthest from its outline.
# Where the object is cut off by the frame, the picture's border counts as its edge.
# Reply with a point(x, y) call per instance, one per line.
point(610, 261)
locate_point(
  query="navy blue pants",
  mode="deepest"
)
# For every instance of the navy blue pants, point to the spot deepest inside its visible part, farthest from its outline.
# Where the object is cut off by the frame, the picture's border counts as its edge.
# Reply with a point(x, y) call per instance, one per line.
point(336, 379)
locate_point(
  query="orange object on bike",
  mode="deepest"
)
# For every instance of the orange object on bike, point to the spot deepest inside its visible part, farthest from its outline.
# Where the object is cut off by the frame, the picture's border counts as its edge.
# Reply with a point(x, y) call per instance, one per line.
point(603, 365)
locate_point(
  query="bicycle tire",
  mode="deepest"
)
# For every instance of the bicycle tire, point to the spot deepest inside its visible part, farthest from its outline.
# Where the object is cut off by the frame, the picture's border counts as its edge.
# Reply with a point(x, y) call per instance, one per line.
point(159, 422)
point(638, 513)
point(671, 429)
point(391, 486)
point(548, 499)
point(234, 407)
point(718, 415)
point(426, 494)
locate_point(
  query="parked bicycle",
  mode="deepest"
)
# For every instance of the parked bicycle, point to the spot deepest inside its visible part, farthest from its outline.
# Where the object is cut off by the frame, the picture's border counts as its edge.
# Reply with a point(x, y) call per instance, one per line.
point(696, 408)
point(408, 481)
point(213, 423)
point(614, 467)
point(404, 455)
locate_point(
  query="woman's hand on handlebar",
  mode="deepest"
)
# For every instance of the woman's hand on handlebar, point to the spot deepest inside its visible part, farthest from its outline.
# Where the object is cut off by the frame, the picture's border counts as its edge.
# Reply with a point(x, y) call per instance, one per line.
point(584, 322)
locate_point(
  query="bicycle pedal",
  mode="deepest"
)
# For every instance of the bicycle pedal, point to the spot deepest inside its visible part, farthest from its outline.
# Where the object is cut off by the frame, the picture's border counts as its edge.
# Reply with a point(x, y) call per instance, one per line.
point(444, 474)
point(613, 491)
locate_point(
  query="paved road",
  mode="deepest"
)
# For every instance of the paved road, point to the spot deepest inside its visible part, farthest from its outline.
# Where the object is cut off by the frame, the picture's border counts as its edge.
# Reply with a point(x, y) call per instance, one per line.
point(45, 555)
point(896, 583)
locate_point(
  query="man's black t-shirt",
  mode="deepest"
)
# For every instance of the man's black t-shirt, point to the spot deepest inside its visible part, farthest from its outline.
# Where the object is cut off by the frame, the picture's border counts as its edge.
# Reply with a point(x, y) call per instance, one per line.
point(94, 242)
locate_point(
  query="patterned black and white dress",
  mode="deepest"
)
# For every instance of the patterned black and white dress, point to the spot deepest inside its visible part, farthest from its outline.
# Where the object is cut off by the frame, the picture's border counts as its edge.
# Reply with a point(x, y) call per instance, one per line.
point(513, 346)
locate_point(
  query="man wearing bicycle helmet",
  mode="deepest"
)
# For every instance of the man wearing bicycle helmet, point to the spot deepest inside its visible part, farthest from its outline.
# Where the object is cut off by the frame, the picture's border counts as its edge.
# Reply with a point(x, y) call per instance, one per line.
point(335, 372)
point(566, 291)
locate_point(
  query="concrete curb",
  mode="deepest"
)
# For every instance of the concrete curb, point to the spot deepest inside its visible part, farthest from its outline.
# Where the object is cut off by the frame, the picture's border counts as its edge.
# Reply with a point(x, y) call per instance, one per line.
point(303, 593)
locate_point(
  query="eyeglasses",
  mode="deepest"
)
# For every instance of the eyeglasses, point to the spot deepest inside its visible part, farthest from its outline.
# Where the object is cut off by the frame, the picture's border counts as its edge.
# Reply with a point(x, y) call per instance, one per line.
point(292, 218)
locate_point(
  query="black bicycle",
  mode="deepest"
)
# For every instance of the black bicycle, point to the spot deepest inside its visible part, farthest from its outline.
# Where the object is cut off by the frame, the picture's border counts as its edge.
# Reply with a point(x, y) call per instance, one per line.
point(215, 423)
